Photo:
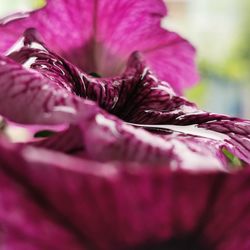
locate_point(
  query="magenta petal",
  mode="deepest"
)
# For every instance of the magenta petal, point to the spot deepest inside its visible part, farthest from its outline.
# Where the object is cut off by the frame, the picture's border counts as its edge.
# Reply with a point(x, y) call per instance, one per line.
point(129, 26)
point(172, 59)
point(228, 219)
point(71, 27)
point(67, 141)
point(152, 104)
point(116, 141)
point(26, 223)
point(69, 204)
point(29, 98)
point(99, 37)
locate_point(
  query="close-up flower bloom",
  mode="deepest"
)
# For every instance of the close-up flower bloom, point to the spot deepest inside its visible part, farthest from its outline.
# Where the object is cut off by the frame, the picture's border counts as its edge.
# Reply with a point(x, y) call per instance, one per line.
point(125, 161)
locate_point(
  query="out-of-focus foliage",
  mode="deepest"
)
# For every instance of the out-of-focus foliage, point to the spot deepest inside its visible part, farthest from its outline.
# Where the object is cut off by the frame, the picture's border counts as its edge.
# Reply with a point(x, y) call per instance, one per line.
point(226, 82)
point(241, 54)
point(38, 3)
point(8, 7)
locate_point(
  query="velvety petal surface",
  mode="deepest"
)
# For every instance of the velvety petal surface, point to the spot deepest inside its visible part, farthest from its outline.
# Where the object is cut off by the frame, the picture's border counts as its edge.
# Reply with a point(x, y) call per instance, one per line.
point(99, 36)
point(69, 204)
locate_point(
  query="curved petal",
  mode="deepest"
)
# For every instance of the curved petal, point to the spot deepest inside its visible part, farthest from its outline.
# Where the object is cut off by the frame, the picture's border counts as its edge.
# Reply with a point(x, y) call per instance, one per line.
point(43, 101)
point(71, 27)
point(177, 57)
point(69, 141)
point(154, 105)
point(99, 36)
point(69, 204)
point(29, 97)
point(115, 140)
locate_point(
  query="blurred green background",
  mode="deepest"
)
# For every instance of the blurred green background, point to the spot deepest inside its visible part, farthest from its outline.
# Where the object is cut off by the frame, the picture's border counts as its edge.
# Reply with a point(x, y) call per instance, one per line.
point(220, 30)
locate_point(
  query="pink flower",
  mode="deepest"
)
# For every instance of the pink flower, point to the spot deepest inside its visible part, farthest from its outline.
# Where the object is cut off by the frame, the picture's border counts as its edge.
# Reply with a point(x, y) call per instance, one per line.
point(129, 163)
point(99, 36)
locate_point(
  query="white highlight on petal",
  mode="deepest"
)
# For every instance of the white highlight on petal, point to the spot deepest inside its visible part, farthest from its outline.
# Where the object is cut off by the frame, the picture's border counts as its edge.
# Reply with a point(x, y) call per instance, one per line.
point(18, 133)
point(146, 137)
point(29, 62)
point(35, 45)
point(102, 120)
point(15, 47)
point(14, 17)
point(188, 129)
point(193, 161)
point(65, 109)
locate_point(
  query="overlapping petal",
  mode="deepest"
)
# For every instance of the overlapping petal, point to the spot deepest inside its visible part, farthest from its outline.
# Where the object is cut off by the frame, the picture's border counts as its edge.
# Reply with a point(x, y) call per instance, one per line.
point(99, 36)
point(69, 204)
point(43, 101)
